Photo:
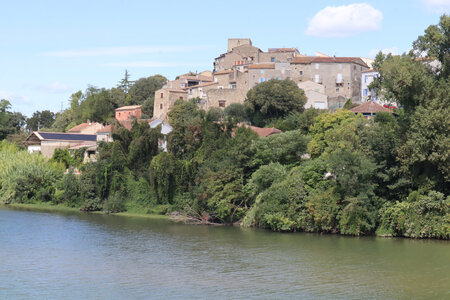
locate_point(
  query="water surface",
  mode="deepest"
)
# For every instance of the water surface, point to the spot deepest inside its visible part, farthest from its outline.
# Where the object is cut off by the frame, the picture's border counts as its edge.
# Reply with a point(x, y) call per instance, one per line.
point(84, 256)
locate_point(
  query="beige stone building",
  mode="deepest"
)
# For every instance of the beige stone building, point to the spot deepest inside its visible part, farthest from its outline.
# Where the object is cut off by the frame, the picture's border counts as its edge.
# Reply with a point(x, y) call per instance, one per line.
point(242, 53)
point(315, 94)
point(165, 99)
point(340, 76)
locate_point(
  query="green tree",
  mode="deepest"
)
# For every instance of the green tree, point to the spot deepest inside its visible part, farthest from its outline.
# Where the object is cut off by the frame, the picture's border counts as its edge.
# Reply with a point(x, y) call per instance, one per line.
point(435, 44)
point(274, 99)
point(40, 119)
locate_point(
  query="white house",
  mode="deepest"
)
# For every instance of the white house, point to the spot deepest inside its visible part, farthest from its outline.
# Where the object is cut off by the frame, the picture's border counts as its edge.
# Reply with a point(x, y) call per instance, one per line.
point(165, 130)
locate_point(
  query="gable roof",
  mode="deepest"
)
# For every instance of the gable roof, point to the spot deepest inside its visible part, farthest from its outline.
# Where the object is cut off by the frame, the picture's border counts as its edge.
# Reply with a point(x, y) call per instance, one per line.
point(129, 107)
point(223, 72)
point(332, 59)
point(60, 136)
point(261, 132)
point(107, 129)
point(369, 108)
point(82, 126)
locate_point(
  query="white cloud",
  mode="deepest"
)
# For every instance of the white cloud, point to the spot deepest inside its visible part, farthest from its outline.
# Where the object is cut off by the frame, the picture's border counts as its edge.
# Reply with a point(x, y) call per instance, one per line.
point(122, 51)
point(14, 98)
point(54, 88)
point(439, 6)
point(392, 50)
point(149, 64)
point(345, 21)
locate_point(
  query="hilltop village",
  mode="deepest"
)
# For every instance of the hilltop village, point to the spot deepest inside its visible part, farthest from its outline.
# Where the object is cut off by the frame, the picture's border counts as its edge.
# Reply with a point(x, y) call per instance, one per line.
point(328, 82)
point(271, 139)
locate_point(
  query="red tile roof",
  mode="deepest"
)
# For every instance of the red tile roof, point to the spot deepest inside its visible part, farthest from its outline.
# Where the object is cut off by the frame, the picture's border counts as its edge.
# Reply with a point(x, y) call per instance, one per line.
point(261, 132)
point(223, 72)
point(280, 50)
point(107, 129)
point(369, 108)
point(129, 107)
point(262, 66)
point(81, 126)
point(332, 59)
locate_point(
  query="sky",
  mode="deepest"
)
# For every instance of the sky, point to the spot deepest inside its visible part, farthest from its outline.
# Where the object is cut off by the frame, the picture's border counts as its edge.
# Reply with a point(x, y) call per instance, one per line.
point(51, 49)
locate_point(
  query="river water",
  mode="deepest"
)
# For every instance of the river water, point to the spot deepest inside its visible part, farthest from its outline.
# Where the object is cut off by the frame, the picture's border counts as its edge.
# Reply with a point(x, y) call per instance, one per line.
point(84, 256)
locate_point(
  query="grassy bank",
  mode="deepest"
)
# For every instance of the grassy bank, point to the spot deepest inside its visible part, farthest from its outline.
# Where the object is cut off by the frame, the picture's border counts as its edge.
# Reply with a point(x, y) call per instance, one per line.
point(48, 207)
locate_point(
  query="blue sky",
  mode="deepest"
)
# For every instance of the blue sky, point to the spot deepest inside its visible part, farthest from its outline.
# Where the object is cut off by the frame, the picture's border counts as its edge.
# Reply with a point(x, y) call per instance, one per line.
point(51, 49)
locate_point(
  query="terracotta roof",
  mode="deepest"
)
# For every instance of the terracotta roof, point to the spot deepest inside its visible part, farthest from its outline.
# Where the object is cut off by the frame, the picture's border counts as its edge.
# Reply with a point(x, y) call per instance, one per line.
point(261, 132)
point(369, 108)
point(223, 72)
point(175, 90)
point(89, 146)
point(129, 107)
point(201, 85)
point(262, 66)
point(82, 126)
point(107, 129)
point(332, 59)
point(279, 50)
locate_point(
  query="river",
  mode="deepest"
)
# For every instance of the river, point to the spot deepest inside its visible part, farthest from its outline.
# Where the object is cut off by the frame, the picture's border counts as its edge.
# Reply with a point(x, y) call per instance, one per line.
point(89, 256)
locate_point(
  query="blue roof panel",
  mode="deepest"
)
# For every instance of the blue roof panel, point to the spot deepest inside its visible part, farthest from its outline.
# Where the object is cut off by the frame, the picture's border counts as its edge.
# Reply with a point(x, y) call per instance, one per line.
point(68, 136)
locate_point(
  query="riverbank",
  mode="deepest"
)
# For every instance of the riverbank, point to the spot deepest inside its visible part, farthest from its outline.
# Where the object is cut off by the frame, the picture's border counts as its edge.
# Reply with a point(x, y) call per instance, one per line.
point(48, 207)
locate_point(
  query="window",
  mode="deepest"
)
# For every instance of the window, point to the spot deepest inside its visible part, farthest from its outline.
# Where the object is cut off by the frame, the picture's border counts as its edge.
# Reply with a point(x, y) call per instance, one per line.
point(365, 78)
point(181, 98)
point(339, 78)
point(337, 89)
point(261, 79)
point(317, 66)
point(160, 106)
point(278, 78)
point(182, 84)
point(262, 71)
point(233, 86)
point(162, 95)
point(222, 103)
point(301, 73)
point(316, 78)
point(272, 59)
point(340, 66)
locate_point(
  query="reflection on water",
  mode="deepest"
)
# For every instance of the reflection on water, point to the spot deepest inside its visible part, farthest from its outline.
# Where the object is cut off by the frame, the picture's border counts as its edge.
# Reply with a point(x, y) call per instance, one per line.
point(77, 256)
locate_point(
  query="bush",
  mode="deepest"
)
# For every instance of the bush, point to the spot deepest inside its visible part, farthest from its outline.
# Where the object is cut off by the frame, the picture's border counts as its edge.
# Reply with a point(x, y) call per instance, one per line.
point(423, 216)
point(26, 178)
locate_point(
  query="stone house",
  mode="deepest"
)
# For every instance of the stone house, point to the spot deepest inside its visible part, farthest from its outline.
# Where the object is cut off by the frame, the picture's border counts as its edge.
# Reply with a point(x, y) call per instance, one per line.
point(258, 73)
point(47, 142)
point(315, 94)
point(165, 99)
point(340, 76)
point(241, 52)
point(128, 112)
